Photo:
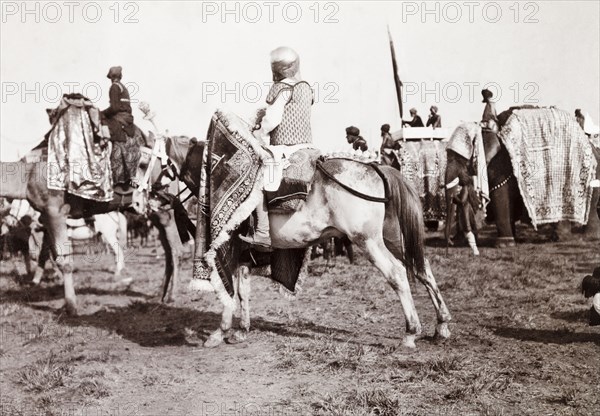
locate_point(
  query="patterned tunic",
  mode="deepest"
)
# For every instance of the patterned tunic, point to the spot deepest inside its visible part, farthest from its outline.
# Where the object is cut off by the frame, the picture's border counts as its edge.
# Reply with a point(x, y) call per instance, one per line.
point(295, 123)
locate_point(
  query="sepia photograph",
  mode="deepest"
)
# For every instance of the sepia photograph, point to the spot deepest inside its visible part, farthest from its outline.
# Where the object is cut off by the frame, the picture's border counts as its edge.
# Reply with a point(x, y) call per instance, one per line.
point(235, 208)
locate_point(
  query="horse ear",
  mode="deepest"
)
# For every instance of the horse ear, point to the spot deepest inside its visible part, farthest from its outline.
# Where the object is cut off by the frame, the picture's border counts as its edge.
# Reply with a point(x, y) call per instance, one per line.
point(49, 111)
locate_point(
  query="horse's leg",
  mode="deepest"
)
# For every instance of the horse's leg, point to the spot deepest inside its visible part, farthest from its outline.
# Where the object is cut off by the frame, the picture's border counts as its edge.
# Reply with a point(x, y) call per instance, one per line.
point(110, 235)
point(57, 227)
point(224, 331)
point(169, 238)
point(243, 292)
point(46, 250)
point(395, 273)
point(441, 310)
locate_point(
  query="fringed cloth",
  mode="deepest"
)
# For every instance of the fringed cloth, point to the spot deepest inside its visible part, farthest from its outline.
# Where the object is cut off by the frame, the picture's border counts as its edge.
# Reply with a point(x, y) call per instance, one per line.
point(423, 164)
point(77, 163)
point(230, 190)
point(553, 162)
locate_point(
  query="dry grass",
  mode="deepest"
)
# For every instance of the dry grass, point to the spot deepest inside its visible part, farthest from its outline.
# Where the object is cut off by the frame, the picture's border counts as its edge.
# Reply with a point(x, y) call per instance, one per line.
point(520, 343)
point(45, 374)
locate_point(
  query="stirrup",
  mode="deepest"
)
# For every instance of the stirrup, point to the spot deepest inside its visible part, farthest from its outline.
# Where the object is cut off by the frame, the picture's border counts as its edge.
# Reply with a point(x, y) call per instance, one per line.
point(265, 246)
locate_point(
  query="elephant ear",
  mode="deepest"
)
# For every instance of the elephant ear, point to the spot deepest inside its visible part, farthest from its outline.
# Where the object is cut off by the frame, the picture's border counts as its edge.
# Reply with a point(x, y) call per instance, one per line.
point(461, 140)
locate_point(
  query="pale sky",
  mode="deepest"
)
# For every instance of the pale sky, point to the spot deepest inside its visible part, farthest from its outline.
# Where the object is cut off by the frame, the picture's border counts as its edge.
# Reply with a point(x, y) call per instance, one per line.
point(187, 59)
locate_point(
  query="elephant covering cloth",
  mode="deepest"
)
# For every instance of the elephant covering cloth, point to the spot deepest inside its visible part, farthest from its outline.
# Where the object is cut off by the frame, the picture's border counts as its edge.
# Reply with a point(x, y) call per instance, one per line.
point(423, 164)
point(553, 163)
point(78, 162)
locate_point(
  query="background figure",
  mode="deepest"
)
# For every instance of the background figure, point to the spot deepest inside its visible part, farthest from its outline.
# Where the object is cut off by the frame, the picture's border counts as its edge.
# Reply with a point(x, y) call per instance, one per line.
point(467, 203)
point(580, 117)
point(415, 121)
point(434, 120)
point(354, 138)
point(388, 145)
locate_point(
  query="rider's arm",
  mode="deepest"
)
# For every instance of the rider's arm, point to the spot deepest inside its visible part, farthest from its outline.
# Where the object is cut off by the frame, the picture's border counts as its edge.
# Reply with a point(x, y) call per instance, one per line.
point(273, 116)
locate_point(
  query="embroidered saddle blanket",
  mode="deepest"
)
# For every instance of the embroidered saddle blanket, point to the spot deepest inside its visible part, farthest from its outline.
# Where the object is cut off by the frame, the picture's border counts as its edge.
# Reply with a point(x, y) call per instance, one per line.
point(295, 182)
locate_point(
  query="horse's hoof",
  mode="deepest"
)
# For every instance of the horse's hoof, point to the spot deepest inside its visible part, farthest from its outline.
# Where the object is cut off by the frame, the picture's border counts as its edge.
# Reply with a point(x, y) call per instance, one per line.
point(237, 337)
point(37, 277)
point(442, 331)
point(214, 340)
point(409, 341)
point(71, 309)
point(125, 282)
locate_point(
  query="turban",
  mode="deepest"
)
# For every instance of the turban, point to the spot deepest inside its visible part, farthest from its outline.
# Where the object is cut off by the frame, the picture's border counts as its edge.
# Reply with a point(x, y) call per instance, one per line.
point(487, 94)
point(115, 72)
point(352, 131)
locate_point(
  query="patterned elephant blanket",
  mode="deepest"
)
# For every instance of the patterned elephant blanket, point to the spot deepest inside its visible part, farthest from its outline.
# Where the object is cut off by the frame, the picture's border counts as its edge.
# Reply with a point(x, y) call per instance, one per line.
point(553, 163)
point(423, 163)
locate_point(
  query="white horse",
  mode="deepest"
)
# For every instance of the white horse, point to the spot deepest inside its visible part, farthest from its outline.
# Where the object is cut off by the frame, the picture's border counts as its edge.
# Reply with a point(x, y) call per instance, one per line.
point(112, 227)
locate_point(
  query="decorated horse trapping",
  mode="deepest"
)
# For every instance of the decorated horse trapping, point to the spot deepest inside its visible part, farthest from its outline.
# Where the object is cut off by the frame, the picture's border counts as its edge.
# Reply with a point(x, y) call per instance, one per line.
point(77, 162)
point(230, 189)
point(295, 181)
point(81, 161)
point(553, 162)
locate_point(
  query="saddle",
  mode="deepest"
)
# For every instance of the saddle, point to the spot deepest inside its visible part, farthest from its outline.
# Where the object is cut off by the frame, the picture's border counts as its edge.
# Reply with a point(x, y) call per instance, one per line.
point(295, 183)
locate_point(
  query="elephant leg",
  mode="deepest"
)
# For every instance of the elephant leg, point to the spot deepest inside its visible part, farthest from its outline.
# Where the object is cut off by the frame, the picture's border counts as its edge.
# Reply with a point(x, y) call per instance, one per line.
point(501, 204)
point(592, 228)
point(562, 231)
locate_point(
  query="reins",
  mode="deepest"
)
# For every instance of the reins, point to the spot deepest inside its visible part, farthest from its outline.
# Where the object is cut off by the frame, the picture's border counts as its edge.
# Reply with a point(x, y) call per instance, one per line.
point(354, 192)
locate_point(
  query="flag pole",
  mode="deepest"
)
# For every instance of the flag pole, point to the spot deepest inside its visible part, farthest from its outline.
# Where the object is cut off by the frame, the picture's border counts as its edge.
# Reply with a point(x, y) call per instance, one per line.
point(397, 81)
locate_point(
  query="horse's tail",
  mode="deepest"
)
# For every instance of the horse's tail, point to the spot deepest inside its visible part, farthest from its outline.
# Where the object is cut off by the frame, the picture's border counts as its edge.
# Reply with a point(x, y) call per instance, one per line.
point(404, 229)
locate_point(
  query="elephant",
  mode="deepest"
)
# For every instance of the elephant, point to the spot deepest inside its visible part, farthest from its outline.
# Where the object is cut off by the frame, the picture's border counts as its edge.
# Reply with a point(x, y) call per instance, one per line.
point(506, 203)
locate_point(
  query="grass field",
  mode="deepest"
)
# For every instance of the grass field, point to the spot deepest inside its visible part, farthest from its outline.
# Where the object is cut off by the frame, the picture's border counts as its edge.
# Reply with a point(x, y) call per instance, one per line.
point(520, 343)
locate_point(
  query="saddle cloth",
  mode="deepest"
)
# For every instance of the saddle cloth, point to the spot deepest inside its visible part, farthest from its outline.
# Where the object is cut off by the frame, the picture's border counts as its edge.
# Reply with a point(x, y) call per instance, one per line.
point(295, 181)
point(231, 186)
point(78, 163)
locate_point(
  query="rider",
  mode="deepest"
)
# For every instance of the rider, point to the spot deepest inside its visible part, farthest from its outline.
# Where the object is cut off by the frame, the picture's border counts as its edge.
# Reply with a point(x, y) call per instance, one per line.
point(118, 115)
point(388, 145)
point(286, 122)
point(489, 119)
point(355, 139)
point(434, 120)
point(415, 121)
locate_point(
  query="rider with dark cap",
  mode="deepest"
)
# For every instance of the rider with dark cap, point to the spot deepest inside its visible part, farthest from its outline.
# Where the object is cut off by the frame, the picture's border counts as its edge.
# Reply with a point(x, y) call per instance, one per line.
point(489, 119)
point(118, 116)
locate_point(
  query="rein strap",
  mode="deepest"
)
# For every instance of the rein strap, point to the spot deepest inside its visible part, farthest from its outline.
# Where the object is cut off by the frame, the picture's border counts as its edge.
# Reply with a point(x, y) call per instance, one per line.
point(354, 191)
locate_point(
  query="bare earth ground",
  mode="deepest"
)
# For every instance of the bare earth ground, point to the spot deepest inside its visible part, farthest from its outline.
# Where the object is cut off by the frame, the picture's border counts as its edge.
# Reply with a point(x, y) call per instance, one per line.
point(520, 342)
